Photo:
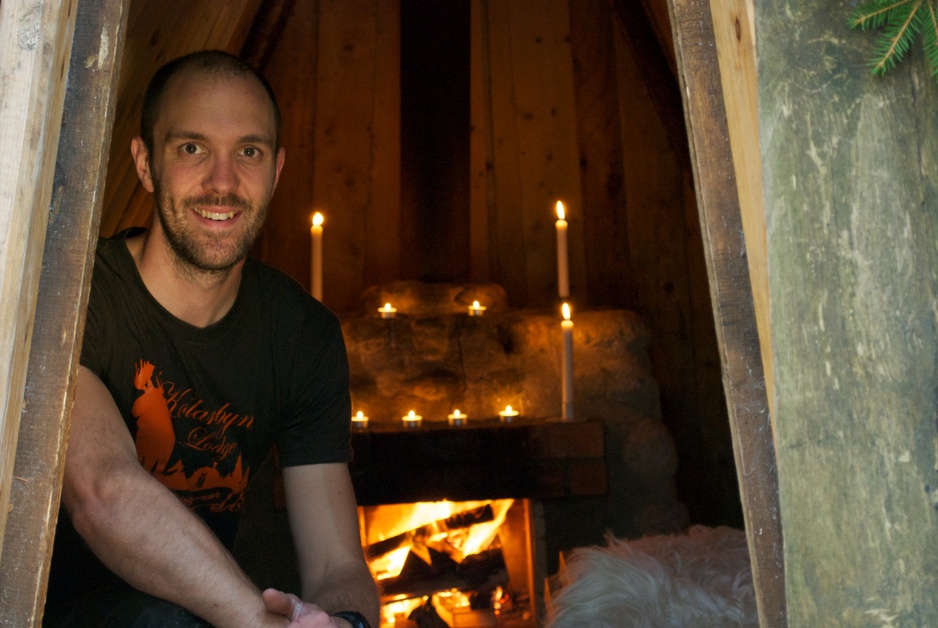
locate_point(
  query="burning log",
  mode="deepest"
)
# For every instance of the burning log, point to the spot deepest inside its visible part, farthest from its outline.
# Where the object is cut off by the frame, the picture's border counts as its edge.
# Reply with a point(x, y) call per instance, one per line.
point(420, 535)
point(485, 570)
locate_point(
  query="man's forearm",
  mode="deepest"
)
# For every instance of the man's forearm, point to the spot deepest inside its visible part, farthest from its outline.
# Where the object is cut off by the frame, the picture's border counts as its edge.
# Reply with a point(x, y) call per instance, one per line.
point(141, 531)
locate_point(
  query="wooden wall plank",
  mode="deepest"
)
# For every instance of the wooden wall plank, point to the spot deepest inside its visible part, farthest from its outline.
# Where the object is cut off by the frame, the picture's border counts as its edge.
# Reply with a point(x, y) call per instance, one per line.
point(341, 172)
point(480, 145)
point(63, 290)
point(734, 32)
point(733, 304)
point(35, 43)
point(291, 71)
point(383, 223)
point(154, 36)
point(507, 259)
point(850, 166)
point(611, 278)
point(545, 118)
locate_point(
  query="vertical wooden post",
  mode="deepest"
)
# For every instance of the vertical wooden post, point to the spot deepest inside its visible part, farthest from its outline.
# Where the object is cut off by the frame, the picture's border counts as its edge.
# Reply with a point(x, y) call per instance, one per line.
point(62, 295)
point(35, 41)
point(850, 165)
point(733, 303)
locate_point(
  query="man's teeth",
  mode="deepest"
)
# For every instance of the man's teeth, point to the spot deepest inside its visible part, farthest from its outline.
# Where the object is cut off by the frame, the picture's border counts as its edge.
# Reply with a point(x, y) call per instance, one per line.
point(215, 215)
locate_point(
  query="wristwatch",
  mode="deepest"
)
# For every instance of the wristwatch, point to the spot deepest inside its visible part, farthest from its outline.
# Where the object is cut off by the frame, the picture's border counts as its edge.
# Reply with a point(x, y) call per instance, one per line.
point(353, 617)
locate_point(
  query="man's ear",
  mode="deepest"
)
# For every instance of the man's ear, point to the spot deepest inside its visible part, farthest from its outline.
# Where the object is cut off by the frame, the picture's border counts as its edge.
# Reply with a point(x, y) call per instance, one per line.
point(142, 162)
point(281, 155)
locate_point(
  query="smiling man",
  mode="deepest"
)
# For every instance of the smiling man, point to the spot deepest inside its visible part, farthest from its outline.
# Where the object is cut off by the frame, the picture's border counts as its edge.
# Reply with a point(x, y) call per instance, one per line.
point(196, 361)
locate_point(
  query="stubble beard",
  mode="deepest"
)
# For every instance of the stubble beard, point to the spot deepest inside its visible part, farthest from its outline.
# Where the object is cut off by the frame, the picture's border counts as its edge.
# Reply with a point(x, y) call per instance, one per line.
point(201, 253)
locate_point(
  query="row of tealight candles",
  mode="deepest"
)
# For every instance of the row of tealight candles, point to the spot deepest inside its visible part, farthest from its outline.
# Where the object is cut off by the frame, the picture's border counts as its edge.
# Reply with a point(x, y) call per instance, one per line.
point(388, 311)
point(412, 419)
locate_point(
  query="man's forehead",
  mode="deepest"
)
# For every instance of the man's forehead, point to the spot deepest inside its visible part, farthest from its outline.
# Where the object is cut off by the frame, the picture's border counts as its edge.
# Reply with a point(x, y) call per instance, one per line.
point(188, 86)
point(190, 79)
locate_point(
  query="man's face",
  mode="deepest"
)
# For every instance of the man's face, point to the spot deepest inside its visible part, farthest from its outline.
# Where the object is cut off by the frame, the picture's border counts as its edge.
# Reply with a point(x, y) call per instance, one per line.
point(213, 168)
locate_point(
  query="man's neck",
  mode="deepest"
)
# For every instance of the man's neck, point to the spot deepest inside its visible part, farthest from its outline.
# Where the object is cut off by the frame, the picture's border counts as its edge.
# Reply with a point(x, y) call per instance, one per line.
point(197, 297)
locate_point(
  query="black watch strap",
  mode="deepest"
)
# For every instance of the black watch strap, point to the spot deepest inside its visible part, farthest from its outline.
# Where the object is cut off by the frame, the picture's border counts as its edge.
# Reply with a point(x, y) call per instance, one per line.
point(353, 617)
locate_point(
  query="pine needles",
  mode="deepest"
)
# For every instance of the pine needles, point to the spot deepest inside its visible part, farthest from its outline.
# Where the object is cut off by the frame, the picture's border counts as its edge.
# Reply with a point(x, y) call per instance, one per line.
point(902, 21)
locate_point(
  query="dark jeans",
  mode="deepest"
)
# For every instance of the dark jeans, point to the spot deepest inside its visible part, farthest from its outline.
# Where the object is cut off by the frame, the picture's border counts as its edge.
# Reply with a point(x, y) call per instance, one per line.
point(125, 607)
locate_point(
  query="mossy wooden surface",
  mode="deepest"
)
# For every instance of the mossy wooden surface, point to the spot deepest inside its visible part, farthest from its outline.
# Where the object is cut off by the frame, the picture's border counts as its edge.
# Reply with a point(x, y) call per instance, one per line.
point(852, 206)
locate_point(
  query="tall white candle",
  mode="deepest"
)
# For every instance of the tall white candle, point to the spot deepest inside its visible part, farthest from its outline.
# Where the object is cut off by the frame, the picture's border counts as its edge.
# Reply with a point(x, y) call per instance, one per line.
point(563, 273)
point(315, 233)
point(566, 326)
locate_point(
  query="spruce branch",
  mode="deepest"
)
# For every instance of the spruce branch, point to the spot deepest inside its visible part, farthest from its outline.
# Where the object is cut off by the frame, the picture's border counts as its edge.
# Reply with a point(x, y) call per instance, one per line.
point(901, 21)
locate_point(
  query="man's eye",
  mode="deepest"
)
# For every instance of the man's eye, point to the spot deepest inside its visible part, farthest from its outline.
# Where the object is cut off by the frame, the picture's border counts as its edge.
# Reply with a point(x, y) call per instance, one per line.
point(250, 151)
point(190, 149)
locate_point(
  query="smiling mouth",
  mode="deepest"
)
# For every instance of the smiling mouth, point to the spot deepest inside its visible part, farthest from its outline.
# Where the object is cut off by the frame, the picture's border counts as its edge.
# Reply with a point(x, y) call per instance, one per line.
point(204, 213)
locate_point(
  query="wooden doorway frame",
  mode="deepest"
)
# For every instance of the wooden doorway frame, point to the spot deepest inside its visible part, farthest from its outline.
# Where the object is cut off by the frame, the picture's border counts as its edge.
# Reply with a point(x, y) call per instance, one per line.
point(62, 213)
point(86, 38)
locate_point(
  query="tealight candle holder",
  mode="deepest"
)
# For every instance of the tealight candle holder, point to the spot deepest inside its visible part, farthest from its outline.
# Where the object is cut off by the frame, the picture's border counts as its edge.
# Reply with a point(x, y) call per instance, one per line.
point(359, 420)
point(412, 419)
point(457, 418)
point(387, 311)
point(475, 309)
point(508, 415)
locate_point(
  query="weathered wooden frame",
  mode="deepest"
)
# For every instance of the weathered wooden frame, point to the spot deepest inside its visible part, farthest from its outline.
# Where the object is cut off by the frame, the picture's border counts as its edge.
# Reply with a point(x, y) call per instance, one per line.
point(88, 39)
point(718, 84)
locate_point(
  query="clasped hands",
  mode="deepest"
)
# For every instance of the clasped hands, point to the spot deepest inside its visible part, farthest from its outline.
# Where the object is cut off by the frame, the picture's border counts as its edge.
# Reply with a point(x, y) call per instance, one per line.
point(301, 614)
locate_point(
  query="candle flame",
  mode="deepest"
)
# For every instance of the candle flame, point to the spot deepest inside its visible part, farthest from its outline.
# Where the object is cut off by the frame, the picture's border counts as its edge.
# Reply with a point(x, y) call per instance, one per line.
point(561, 215)
point(317, 219)
point(411, 415)
point(508, 410)
point(387, 307)
point(566, 311)
point(475, 305)
point(360, 415)
point(456, 413)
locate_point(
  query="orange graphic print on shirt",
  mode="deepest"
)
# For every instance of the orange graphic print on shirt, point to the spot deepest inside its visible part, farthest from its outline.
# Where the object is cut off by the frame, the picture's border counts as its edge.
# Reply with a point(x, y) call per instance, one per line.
point(186, 447)
point(155, 436)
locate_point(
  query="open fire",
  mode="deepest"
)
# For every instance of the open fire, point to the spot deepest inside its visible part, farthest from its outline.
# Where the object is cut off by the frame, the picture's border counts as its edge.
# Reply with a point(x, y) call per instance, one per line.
point(455, 564)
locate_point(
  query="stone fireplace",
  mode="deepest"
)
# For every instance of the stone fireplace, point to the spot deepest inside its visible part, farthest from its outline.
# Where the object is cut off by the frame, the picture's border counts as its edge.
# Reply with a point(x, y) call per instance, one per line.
point(557, 484)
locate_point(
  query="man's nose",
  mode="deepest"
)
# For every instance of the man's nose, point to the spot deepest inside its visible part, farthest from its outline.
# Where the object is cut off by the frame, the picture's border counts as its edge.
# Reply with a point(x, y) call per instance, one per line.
point(222, 176)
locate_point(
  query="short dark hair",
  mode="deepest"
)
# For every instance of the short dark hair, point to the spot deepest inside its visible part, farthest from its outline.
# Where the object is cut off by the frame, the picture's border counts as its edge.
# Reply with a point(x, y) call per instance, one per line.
point(211, 62)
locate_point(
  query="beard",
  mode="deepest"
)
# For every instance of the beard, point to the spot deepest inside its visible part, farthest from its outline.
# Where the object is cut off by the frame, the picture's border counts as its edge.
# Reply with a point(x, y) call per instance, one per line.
point(199, 250)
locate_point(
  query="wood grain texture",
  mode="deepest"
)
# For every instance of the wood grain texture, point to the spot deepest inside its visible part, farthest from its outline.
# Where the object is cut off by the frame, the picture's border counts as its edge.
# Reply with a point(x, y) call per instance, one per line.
point(35, 43)
point(734, 33)
point(63, 290)
point(733, 304)
point(851, 186)
point(291, 71)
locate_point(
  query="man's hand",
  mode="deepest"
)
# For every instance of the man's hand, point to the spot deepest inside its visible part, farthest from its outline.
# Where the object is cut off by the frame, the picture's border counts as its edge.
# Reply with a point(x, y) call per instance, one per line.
point(301, 614)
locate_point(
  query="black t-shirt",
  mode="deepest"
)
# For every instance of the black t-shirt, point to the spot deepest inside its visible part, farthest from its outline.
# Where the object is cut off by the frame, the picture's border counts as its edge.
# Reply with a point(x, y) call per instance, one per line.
point(205, 405)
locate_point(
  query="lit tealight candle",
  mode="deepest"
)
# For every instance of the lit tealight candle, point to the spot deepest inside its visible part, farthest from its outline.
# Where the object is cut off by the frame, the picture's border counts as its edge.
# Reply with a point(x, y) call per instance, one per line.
point(387, 311)
point(563, 273)
point(412, 419)
point(315, 232)
point(475, 309)
point(566, 326)
point(508, 415)
point(360, 421)
point(457, 418)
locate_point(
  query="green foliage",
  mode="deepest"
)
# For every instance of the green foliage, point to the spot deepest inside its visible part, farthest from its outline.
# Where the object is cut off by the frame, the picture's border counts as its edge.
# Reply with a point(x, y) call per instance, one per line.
point(901, 20)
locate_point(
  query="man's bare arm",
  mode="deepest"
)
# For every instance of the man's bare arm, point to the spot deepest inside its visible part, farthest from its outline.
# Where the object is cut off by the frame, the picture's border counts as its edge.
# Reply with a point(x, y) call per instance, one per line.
point(139, 529)
point(324, 522)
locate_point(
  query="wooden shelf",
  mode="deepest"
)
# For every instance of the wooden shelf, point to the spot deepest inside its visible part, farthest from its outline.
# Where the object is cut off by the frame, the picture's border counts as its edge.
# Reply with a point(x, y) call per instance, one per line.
point(483, 460)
